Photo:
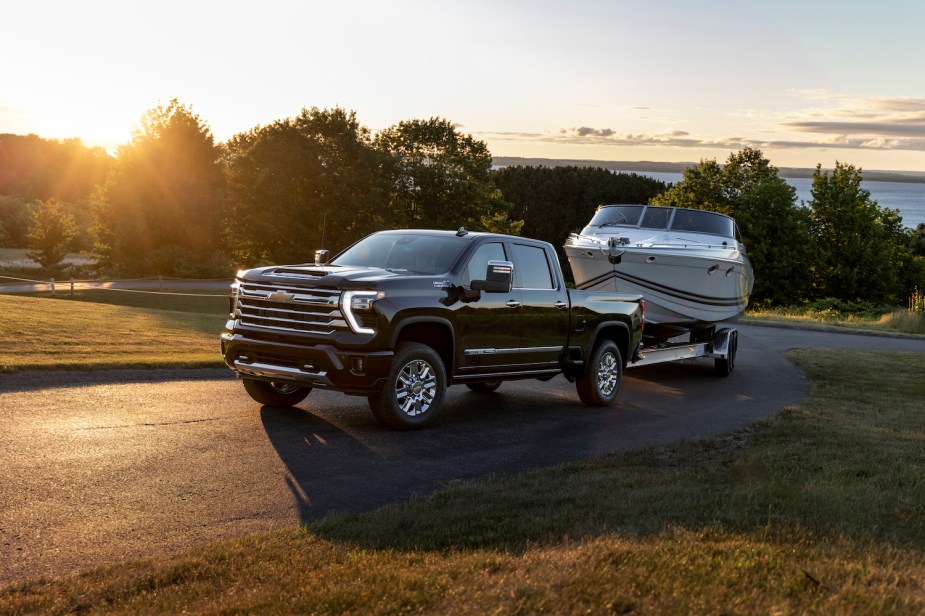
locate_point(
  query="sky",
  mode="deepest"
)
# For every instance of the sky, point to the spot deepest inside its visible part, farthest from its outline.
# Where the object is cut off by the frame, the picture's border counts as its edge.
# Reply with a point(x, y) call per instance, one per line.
point(806, 81)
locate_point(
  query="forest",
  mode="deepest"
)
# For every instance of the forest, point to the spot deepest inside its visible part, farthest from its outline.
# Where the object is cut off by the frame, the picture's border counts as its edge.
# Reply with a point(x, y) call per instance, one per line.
point(173, 202)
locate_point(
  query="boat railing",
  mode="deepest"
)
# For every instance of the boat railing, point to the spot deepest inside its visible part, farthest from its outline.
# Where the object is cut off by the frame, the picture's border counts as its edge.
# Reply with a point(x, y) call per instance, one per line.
point(604, 247)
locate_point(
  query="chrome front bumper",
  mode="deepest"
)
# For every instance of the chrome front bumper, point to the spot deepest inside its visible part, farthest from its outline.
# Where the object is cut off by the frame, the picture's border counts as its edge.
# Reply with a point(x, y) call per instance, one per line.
point(283, 373)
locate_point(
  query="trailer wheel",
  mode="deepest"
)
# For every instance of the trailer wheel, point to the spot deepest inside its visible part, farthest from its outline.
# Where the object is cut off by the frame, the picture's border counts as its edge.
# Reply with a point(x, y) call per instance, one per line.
point(276, 393)
point(724, 367)
point(600, 381)
point(414, 389)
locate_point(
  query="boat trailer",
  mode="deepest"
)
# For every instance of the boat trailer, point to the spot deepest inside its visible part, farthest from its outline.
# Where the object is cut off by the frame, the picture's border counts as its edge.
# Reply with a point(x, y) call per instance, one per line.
point(721, 347)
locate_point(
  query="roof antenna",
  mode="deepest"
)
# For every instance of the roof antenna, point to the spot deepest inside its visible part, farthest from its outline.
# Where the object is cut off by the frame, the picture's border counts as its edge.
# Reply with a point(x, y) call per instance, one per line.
point(462, 231)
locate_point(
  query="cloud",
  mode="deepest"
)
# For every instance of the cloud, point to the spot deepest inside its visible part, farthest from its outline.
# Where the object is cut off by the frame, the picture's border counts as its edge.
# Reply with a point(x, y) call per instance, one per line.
point(840, 127)
point(875, 123)
point(830, 121)
point(584, 131)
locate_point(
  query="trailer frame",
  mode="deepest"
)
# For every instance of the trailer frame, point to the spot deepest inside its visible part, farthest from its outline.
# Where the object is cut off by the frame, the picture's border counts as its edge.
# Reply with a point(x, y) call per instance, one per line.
point(721, 346)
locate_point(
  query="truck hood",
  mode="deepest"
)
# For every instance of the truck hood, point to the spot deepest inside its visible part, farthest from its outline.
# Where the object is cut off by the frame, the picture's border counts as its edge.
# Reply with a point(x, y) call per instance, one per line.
point(329, 276)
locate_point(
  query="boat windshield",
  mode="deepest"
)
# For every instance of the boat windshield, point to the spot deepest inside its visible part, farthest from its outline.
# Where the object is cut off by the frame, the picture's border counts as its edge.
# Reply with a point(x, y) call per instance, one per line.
point(399, 252)
point(656, 218)
point(614, 215)
point(701, 221)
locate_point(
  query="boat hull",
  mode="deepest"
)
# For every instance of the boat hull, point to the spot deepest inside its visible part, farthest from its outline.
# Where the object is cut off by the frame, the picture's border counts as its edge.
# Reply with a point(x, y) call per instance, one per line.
point(685, 288)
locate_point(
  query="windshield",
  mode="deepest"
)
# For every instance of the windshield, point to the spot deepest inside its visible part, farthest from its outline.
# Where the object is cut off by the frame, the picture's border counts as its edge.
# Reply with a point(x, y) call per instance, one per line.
point(613, 215)
point(404, 252)
point(702, 221)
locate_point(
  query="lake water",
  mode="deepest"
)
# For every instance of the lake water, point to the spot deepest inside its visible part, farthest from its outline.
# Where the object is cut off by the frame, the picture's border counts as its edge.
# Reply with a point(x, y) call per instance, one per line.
point(907, 197)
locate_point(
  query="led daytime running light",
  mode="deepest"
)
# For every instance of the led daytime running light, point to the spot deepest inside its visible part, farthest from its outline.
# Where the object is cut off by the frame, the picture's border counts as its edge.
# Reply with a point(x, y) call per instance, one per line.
point(365, 300)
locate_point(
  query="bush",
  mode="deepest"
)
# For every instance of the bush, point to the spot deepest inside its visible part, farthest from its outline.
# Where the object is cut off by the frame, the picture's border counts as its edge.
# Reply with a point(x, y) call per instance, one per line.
point(837, 309)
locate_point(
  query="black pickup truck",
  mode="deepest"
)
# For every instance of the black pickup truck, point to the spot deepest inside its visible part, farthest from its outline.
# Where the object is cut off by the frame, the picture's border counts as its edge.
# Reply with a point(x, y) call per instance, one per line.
point(401, 315)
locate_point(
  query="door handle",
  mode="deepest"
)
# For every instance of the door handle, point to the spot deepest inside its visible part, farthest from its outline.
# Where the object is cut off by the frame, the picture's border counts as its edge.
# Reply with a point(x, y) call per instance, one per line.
point(512, 303)
point(560, 304)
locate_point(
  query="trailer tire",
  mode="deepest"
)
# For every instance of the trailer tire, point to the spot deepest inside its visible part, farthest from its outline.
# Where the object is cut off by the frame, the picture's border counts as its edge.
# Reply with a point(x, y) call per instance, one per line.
point(724, 367)
point(600, 381)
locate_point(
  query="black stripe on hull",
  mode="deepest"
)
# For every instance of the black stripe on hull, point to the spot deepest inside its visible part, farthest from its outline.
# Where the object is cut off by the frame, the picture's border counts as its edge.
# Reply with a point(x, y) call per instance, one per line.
point(669, 291)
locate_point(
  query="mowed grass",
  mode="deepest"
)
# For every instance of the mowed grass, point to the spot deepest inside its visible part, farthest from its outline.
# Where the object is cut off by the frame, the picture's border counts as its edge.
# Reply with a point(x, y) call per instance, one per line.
point(818, 510)
point(61, 334)
point(212, 301)
point(900, 321)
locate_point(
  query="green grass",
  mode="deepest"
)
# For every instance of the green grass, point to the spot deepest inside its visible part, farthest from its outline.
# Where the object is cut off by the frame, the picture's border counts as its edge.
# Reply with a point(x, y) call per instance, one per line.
point(211, 301)
point(818, 510)
point(62, 334)
point(825, 315)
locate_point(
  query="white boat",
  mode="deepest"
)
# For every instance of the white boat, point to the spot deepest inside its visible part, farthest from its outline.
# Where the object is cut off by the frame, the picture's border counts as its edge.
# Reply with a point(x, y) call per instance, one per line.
point(689, 265)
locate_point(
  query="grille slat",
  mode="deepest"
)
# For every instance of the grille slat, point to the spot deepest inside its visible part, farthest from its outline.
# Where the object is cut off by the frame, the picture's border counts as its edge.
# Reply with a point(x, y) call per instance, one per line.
point(290, 308)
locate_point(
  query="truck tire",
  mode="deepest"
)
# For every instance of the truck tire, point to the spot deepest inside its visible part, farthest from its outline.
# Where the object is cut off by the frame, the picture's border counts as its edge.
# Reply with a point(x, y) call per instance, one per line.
point(485, 387)
point(414, 389)
point(276, 393)
point(599, 383)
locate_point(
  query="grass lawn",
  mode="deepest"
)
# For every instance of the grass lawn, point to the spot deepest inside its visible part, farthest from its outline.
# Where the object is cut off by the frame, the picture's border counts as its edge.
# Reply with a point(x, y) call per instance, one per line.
point(60, 334)
point(818, 510)
point(209, 301)
point(897, 321)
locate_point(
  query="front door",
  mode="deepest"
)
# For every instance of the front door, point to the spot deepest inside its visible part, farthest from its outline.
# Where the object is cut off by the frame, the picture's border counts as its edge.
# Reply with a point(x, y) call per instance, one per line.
point(487, 325)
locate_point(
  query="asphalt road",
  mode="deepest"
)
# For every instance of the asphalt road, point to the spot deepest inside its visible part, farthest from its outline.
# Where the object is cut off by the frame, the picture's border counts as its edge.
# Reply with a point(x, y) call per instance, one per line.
point(100, 467)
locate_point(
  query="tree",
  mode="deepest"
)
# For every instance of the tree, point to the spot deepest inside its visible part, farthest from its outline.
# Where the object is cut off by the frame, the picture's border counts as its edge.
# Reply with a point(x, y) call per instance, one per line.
point(864, 249)
point(36, 168)
point(776, 233)
point(303, 183)
point(441, 179)
point(556, 201)
point(15, 219)
point(774, 228)
point(160, 210)
point(51, 233)
point(917, 240)
point(702, 187)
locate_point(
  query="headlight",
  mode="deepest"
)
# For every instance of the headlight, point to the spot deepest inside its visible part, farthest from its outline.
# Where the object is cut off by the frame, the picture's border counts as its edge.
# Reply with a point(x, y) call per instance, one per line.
point(233, 297)
point(359, 302)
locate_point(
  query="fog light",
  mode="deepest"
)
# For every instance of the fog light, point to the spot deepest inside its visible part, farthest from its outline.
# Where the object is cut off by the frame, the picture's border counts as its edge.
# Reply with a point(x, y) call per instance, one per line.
point(357, 364)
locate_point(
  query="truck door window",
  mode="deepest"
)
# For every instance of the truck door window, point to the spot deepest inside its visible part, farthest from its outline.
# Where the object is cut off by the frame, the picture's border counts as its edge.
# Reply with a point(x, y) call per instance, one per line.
point(475, 270)
point(531, 268)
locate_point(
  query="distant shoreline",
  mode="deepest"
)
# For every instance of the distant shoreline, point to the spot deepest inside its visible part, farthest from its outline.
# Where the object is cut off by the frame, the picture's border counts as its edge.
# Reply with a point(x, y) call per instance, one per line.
point(913, 177)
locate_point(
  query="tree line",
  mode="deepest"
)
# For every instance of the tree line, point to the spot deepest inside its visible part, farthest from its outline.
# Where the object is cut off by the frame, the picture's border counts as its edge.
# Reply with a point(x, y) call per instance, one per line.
point(174, 202)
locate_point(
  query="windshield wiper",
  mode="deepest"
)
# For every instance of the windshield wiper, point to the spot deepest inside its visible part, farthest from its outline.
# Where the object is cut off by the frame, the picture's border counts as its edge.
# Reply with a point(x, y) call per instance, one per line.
point(617, 221)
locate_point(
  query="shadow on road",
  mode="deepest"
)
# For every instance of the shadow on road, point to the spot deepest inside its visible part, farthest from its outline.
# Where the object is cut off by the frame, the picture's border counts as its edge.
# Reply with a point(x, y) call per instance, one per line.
point(39, 380)
point(339, 459)
point(331, 469)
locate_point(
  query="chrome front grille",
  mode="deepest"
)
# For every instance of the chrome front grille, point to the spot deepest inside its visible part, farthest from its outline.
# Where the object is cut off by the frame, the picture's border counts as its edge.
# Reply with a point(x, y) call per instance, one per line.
point(289, 308)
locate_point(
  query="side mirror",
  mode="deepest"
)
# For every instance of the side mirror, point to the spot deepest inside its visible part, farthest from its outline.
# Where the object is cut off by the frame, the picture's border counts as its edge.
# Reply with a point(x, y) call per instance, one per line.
point(321, 257)
point(499, 278)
